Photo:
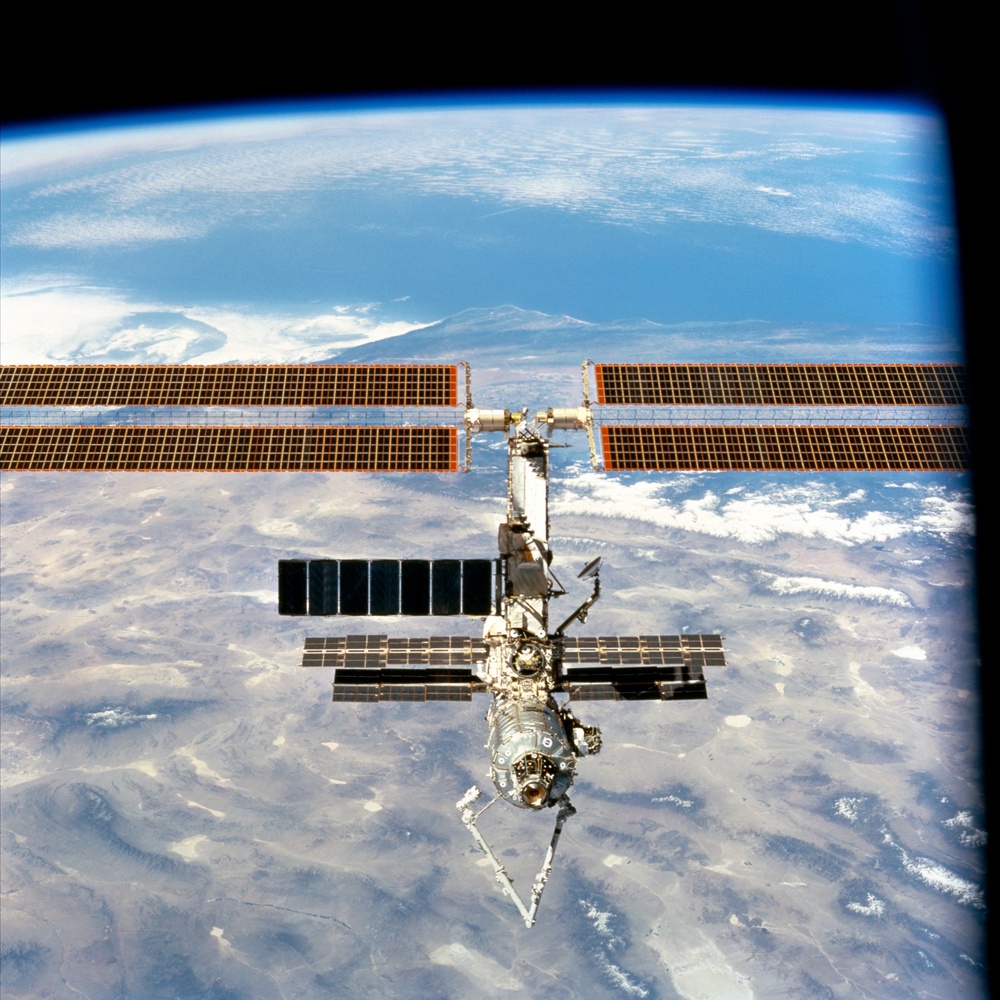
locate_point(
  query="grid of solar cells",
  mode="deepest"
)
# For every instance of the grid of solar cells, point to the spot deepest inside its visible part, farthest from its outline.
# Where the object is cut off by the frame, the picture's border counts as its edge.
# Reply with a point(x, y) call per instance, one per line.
point(341, 651)
point(360, 587)
point(639, 690)
point(608, 674)
point(415, 587)
point(434, 684)
point(477, 586)
point(446, 587)
point(229, 449)
point(228, 385)
point(322, 588)
point(379, 651)
point(394, 683)
point(781, 385)
point(292, 586)
point(356, 692)
point(647, 650)
point(383, 582)
point(795, 448)
point(441, 650)
point(353, 587)
point(372, 690)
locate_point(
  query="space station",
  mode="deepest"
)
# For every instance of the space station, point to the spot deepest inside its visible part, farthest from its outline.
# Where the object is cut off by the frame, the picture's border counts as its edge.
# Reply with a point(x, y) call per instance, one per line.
point(529, 666)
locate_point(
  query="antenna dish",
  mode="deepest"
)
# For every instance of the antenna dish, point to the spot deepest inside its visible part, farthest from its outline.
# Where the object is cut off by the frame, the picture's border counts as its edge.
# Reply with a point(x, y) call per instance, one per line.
point(590, 569)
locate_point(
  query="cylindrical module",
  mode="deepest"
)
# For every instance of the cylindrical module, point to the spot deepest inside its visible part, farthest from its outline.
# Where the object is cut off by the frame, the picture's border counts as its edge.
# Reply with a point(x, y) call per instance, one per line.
point(532, 761)
point(561, 418)
point(479, 421)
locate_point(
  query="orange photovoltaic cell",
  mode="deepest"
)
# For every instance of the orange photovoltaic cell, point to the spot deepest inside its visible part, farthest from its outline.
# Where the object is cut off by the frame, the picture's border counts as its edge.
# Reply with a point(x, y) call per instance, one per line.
point(780, 385)
point(229, 449)
point(798, 448)
point(229, 385)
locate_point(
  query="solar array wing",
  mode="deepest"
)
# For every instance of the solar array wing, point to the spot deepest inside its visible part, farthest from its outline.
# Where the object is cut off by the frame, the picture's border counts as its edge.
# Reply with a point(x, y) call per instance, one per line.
point(377, 668)
point(638, 667)
point(137, 430)
point(229, 385)
point(807, 448)
point(756, 438)
point(634, 683)
point(395, 684)
point(228, 449)
point(780, 385)
point(382, 652)
point(645, 650)
point(360, 587)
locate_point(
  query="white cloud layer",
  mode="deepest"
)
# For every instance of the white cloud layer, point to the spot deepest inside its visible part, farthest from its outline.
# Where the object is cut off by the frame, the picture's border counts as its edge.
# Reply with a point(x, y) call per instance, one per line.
point(632, 166)
point(95, 230)
point(963, 824)
point(812, 509)
point(909, 653)
point(872, 907)
point(55, 318)
point(831, 588)
point(935, 875)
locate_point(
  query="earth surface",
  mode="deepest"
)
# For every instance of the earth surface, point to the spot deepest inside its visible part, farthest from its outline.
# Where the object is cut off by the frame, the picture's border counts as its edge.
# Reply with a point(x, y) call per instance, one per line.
point(185, 813)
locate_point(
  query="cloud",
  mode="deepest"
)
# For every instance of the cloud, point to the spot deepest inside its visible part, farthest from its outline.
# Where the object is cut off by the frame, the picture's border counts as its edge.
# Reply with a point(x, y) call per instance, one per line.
point(95, 230)
point(872, 907)
point(938, 877)
point(115, 718)
point(847, 807)
point(969, 835)
point(831, 588)
point(49, 315)
point(932, 873)
point(701, 163)
point(909, 653)
point(946, 516)
point(813, 509)
point(59, 319)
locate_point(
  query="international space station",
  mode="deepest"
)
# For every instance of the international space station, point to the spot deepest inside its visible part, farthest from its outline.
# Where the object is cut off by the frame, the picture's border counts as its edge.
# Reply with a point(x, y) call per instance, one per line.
point(409, 418)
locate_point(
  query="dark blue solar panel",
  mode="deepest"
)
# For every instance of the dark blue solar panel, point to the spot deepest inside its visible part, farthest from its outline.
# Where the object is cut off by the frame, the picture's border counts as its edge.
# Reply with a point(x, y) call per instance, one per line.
point(446, 589)
point(416, 587)
point(477, 586)
point(353, 587)
point(385, 587)
point(323, 587)
point(291, 586)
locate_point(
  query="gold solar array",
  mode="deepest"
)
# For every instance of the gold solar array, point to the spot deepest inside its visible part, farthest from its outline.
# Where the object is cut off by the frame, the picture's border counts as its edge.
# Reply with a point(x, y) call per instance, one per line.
point(380, 651)
point(229, 449)
point(773, 448)
point(689, 650)
point(780, 385)
point(375, 689)
point(228, 385)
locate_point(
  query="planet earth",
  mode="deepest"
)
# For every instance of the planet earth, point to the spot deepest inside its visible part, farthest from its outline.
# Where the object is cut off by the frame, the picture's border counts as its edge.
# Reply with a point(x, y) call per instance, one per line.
point(186, 814)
